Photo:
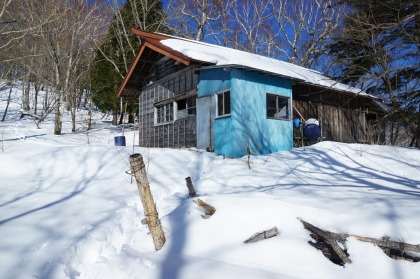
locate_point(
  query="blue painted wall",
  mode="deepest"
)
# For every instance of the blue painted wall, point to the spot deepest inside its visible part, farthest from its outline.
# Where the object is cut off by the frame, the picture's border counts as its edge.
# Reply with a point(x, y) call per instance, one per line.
point(248, 124)
point(212, 80)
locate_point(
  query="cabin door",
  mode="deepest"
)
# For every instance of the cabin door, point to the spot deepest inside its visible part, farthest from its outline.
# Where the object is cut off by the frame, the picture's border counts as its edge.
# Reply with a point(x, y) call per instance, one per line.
point(205, 116)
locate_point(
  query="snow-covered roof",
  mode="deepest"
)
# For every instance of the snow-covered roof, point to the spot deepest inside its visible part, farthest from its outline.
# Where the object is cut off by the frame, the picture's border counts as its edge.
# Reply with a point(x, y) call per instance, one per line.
point(209, 55)
point(223, 56)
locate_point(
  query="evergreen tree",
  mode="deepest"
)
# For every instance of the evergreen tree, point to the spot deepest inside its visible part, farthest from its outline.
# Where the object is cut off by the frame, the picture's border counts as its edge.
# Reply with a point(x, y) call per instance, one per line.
point(379, 50)
point(114, 56)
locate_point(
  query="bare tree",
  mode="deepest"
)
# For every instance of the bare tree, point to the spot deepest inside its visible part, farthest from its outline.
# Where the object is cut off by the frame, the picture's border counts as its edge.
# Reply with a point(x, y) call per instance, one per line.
point(295, 31)
point(251, 23)
point(64, 42)
point(192, 18)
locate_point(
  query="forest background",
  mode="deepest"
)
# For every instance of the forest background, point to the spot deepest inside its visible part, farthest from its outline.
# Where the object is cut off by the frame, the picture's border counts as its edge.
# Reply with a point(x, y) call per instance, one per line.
point(79, 51)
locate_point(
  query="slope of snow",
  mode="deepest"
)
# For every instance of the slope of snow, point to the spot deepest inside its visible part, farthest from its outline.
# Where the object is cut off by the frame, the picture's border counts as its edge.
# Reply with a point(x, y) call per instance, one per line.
point(70, 210)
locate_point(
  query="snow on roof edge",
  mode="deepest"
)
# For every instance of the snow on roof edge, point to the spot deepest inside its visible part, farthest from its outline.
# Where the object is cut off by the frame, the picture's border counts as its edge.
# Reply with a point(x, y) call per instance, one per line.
point(224, 56)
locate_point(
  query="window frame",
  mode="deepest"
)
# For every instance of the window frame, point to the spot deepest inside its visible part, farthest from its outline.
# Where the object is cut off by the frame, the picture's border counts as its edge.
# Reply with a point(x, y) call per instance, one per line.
point(217, 96)
point(187, 107)
point(288, 109)
point(165, 110)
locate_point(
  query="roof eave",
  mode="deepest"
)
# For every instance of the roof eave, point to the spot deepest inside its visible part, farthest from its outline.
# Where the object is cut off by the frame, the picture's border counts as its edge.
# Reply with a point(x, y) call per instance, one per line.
point(250, 69)
point(344, 91)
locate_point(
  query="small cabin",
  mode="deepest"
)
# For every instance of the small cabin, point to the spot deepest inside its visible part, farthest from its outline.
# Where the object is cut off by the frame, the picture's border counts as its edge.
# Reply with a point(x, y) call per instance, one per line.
point(194, 94)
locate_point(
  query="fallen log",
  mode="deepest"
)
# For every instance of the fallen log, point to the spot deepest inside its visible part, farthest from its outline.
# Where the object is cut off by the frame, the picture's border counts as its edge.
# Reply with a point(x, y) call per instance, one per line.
point(262, 235)
point(210, 209)
point(329, 237)
point(394, 249)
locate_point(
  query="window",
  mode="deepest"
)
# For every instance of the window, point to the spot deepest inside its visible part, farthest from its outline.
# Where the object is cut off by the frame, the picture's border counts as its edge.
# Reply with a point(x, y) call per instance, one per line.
point(164, 113)
point(186, 107)
point(278, 107)
point(223, 104)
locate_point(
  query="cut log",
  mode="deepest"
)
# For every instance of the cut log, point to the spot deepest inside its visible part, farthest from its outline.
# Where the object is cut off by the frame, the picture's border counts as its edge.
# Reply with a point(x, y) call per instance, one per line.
point(190, 187)
point(210, 209)
point(262, 235)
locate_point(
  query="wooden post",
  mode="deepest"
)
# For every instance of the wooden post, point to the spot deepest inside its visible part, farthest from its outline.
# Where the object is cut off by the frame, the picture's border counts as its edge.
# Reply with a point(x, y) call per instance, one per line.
point(152, 217)
point(301, 130)
point(190, 187)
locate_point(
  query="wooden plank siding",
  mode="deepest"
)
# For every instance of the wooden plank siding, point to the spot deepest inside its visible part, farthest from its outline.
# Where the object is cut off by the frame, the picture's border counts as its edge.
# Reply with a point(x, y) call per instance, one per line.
point(180, 133)
point(338, 124)
point(345, 117)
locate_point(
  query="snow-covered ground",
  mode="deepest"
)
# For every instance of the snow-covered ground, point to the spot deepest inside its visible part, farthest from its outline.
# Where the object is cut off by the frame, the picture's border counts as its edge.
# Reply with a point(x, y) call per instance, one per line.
point(70, 210)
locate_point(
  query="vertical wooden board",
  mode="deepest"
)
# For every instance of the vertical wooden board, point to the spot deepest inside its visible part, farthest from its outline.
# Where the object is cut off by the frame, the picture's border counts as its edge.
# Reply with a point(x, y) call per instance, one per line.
point(176, 85)
point(182, 83)
point(160, 92)
point(165, 91)
point(195, 79)
point(171, 88)
point(162, 136)
point(173, 135)
point(188, 81)
point(154, 137)
point(166, 135)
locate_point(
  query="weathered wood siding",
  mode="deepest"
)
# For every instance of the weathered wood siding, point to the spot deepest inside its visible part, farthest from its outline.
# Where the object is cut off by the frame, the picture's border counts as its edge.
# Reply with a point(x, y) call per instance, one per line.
point(345, 117)
point(340, 124)
point(180, 133)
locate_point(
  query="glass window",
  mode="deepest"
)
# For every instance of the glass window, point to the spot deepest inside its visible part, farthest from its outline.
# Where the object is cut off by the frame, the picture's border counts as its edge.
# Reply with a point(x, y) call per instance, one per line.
point(165, 113)
point(278, 107)
point(223, 103)
point(186, 107)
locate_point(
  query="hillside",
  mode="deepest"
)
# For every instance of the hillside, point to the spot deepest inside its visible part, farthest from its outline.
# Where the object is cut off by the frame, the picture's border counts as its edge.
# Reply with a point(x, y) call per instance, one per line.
point(70, 210)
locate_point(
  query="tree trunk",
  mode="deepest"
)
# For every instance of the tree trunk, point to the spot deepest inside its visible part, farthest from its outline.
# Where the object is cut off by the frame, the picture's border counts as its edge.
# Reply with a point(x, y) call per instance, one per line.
point(114, 118)
point(73, 119)
point(58, 117)
point(121, 118)
point(25, 100)
point(45, 105)
point(8, 102)
point(68, 101)
point(58, 121)
point(37, 87)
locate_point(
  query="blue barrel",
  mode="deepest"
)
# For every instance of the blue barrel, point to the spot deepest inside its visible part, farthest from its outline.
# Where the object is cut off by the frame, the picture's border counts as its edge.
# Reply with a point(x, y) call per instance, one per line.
point(311, 131)
point(119, 141)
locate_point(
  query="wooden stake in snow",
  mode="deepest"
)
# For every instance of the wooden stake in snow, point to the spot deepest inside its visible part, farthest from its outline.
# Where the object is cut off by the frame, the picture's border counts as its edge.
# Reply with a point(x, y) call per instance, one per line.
point(190, 187)
point(206, 206)
point(152, 217)
point(263, 235)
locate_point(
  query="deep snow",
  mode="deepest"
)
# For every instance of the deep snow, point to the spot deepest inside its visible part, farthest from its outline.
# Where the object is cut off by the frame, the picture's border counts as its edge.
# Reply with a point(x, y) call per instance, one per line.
point(69, 210)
